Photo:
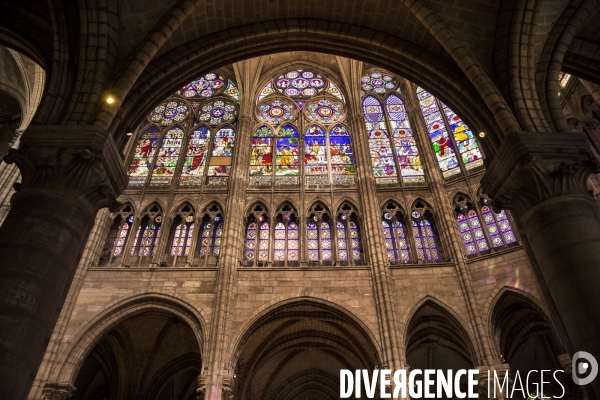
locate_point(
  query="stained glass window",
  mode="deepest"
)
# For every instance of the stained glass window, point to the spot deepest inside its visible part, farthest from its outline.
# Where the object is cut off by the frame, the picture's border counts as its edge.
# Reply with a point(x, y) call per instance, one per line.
point(404, 141)
point(221, 155)
point(342, 245)
point(170, 112)
point(206, 86)
point(378, 82)
point(276, 111)
point(395, 239)
point(217, 112)
point(342, 158)
point(182, 237)
point(347, 239)
point(167, 158)
point(250, 248)
point(498, 227)
point(333, 89)
point(121, 238)
point(300, 83)
point(324, 110)
point(315, 156)
point(563, 79)
point(313, 241)
point(267, 90)
point(143, 157)
point(286, 241)
point(325, 236)
point(148, 235)
point(471, 232)
point(261, 156)
point(286, 162)
point(424, 238)
point(465, 141)
point(195, 157)
point(210, 237)
point(382, 156)
point(232, 91)
point(442, 145)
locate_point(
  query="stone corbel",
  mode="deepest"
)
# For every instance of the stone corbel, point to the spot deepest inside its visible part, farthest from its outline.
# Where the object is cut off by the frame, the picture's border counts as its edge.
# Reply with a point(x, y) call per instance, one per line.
point(531, 168)
point(57, 391)
point(77, 161)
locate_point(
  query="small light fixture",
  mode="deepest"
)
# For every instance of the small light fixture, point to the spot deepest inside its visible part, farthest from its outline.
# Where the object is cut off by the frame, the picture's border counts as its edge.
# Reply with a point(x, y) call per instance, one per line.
point(481, 134)
point(128, 131)
point(110, 99)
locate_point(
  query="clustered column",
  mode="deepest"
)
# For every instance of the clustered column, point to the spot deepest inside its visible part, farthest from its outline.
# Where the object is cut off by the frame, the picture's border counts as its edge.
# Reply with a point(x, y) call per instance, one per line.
point(68, 174)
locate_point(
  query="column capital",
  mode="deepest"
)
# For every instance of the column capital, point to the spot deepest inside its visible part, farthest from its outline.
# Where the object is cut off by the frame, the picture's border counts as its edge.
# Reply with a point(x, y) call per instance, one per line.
point(531, 168)
point(57, 391)
point(78, 161)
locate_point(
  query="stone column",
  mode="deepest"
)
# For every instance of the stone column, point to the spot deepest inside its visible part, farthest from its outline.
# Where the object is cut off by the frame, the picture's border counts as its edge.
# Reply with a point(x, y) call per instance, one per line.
point(219, 372)
point(383, 286)
point(68, 174)
point(541, 178)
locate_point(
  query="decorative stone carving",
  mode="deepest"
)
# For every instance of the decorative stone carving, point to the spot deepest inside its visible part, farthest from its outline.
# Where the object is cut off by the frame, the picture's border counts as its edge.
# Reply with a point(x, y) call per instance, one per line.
point(531, 168)
point(81, 162)
point(57, 391)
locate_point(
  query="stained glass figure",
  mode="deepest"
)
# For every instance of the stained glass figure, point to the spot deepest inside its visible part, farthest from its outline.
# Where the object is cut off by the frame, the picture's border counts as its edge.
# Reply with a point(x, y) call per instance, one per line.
point(167, 157)
point(498, 227)
point(382, 156)
point(121, 238)
point(378, 82)
point(217, 112)
point(261, 156)
point(220, 159)
point(276, 111)
point(195, 157)
point(300, 83)
point(465, 141)
point(407, 153)
point(442, 145)
point(324, 111)
point(341, 156)
point(204, 87)
point(395, 239)
point(424, 238)
point(143, 157)
point(315, 156)
point(169, 112)
point(286, 163)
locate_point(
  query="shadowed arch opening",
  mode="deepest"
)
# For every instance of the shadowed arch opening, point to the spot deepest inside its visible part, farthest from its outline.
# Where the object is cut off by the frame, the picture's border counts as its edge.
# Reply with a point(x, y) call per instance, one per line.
point(296, 352)
point(436, 340)
point(150, 355)
point(528, 342)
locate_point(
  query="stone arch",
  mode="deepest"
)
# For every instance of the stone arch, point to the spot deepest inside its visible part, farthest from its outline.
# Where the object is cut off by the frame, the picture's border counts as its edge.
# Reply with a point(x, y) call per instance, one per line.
point(450, 86)
point(283, 202)
point(209, 202)
point(181, 203)
point(319, 201)
point(281, 343)
point(436, 337)
point(88, 336)
point(255, 203)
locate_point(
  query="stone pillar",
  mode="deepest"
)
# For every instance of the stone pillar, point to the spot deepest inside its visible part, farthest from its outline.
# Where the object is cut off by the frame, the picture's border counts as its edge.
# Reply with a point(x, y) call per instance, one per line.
point(68, 174)
point(219, 372)
point(541, 178)
point(57, 391)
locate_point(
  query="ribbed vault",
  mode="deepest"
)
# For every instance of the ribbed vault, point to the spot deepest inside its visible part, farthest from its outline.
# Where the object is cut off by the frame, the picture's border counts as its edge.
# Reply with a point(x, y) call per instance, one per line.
point(296, 352)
